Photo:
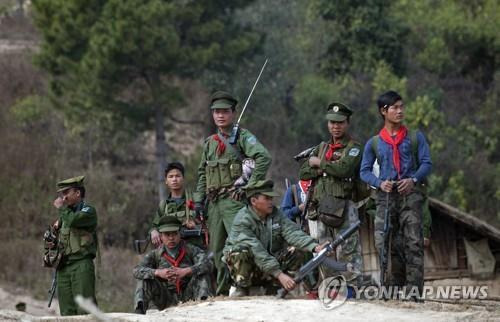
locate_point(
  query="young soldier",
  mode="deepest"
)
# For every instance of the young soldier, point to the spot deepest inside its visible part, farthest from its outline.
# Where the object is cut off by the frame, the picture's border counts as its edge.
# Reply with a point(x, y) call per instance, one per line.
point(220, 174)
point(175, 272)
point(178, 204)
point(263, 244)
point(76, 227)
point(333, 169)
point(403, 169)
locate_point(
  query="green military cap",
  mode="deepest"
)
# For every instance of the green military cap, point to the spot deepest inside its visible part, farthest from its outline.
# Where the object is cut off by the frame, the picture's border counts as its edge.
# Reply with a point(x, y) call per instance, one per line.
point(338, 112)
point(264, 187)
point(221, 99)
point(76, 182)
point(168, 224)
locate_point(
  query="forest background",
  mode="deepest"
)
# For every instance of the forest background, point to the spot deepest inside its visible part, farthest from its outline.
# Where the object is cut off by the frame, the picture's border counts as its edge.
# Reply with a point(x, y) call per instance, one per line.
point(114, 89)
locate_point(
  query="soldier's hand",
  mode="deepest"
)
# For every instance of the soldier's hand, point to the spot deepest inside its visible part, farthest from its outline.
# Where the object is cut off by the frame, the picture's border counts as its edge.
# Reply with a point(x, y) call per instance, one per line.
point(55, 225)
point(386, 186)
point(286, 281)
point(405, 186)
point(302, 206)
point(155, 238)
point(190, 224)
point(58, 202)
point(181, 272)
point(163, 273)
point(314, 162)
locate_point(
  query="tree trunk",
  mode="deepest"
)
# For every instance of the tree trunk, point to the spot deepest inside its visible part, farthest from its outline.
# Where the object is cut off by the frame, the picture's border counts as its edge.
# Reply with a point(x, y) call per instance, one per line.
point(161, 151)
point(154, 82)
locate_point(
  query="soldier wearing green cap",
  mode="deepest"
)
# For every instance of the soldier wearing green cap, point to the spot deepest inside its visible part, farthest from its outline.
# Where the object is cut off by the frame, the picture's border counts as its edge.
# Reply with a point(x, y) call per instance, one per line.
point(264, 246)
point(334, 168)
point(76, 228)
point(175, 272)
point(224, 169)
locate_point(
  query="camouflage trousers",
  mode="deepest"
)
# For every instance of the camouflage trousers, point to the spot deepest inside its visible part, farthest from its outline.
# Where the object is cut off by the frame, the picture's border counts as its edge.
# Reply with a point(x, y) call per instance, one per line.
point(245, 273)
point(221, 213)
point(348, 252)
point(159, 294)
point(406, 237)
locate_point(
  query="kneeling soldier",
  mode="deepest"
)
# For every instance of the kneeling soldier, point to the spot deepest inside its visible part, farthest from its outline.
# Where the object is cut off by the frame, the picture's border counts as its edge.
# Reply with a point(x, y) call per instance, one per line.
point(175, 272)
point(263, 244)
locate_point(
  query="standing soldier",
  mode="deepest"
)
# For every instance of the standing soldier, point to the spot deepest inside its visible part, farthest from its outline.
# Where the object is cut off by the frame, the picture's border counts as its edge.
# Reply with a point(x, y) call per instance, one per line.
point(175, 272)
point(76, 227)
point(221, 175)
point(405, 162)
point(333, 167)
point(179, 204)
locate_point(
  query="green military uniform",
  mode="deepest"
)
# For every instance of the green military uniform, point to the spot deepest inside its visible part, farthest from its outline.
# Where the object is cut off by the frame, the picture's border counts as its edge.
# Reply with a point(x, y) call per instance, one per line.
point(334, 185)
point(259, 249)
point(153, 292)
point(77, 234)
point(182, 209)
point(217, 174)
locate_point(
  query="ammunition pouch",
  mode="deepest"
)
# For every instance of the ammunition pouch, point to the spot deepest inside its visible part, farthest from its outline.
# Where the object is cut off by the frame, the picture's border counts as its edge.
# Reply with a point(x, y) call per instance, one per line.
point(74, 240)
point(222, 173)
point(332, 211)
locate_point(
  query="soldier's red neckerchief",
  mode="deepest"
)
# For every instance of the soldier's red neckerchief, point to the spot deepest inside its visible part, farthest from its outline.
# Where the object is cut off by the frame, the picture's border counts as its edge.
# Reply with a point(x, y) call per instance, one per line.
point(304, 185)
point(175, 263)
point(394, 142)
point(221, 146)
point(331, 149)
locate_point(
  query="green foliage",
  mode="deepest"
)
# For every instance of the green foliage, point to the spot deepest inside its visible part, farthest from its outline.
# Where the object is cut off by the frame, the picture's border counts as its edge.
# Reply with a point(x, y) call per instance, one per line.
point(364, 32)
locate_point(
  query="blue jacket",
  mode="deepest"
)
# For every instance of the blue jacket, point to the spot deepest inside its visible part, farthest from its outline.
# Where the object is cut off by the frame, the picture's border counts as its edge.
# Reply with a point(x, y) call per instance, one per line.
point(387, 169)
point(287, 205)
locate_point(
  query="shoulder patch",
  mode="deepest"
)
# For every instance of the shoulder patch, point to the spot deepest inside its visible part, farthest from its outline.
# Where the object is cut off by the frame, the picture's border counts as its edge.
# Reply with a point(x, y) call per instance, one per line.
point(252, 140)
point(85, 209)
point(354, 152)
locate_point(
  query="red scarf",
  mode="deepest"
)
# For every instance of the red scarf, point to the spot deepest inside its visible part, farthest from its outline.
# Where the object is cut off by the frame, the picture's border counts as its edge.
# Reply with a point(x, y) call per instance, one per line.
point(304, 185)
point(175, 263)
point(221, 146)
point(331, 149)
point(400, 136)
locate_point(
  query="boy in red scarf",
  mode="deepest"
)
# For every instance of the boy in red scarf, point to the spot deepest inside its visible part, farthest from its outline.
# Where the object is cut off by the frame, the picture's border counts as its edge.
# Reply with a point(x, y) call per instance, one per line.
point(404, 159)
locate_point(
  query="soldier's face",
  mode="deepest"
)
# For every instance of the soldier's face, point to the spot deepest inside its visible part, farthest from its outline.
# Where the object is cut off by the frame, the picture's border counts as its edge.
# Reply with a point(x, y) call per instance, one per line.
point(262, 204)
point(70, 196)
point(174, 180)
point(395, 112)
point(338, 129)
point(223, 117)
point(170, 239)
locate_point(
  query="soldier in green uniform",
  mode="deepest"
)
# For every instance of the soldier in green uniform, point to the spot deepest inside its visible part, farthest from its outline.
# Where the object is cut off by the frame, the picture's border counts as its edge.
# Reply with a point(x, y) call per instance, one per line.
point(224, 169)
point(76, 226)
point(263, 245)
point(180, 204)
point(333, 168)
point(175, 272)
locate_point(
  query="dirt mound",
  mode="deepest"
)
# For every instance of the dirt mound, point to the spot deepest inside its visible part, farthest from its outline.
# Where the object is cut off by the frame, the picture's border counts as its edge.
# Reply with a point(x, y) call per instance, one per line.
point(271, 309)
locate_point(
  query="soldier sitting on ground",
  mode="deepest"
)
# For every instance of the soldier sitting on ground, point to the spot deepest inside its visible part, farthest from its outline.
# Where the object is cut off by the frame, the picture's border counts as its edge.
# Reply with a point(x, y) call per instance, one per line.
point(263, 244)
point(175, 272)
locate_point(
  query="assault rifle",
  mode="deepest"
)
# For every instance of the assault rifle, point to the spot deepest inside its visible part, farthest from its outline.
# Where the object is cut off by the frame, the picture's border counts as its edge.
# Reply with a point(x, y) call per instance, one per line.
point(322, 258)
point(383, 252)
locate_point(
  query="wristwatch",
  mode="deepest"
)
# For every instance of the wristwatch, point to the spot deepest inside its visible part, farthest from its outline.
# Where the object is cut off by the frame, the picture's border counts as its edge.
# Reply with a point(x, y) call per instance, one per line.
point(414, 180)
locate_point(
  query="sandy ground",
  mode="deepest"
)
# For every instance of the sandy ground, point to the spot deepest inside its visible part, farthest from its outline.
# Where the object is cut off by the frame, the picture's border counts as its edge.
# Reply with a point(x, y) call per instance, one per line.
point(271, 309)
point(9, 299)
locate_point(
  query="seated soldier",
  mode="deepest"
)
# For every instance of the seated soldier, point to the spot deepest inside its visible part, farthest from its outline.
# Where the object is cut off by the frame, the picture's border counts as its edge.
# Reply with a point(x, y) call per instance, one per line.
point(175, 272)
point(179, 204)
point(263, 244)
